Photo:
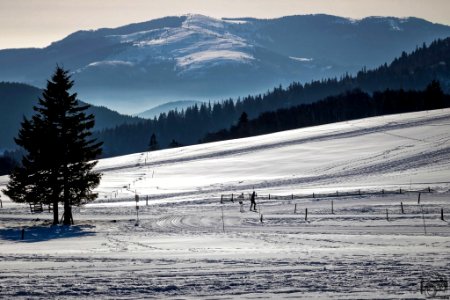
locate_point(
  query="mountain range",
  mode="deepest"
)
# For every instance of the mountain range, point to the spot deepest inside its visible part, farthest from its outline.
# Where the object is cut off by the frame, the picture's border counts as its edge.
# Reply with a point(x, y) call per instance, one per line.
point(142, 65)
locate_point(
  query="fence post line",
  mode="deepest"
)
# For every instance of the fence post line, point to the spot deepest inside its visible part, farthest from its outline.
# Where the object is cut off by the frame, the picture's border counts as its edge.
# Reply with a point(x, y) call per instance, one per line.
point(418, 199)
point(401, 204)
point(306, 214)
point(295, 209)
point(314, 196)
point(146, 200)
point(442, 214)
point(332, 207)
point(269, 196)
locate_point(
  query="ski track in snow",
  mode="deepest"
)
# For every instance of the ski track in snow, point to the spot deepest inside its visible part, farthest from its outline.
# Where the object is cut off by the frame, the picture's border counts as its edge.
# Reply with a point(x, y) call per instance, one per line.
point(182, 247)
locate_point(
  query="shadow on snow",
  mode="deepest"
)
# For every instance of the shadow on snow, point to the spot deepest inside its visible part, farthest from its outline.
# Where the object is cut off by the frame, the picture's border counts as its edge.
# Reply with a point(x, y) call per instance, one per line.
point(45, 233)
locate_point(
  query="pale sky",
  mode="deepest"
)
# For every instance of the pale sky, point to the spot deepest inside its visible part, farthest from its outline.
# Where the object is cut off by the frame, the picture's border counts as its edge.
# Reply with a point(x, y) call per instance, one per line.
point(37, 23)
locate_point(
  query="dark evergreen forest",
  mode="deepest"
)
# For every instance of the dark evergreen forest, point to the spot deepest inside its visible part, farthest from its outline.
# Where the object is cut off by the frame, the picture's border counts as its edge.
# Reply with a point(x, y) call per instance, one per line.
point(351, 105)
point(412, 71)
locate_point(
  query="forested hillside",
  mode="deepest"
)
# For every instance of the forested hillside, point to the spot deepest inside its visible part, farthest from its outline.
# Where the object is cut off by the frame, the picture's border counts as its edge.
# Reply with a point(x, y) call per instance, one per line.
point(347, 106)
point(412, 71)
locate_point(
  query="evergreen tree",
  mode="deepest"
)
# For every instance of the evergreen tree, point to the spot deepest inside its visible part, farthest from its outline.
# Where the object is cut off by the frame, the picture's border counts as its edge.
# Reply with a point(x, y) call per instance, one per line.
point(242, 128)
point(174, 144)
point(57, 166)
point(153, 143)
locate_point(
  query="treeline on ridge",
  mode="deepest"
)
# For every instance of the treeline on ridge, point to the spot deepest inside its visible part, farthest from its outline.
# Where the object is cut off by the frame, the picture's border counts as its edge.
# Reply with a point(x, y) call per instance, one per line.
point(409, 72)
point(351, 105)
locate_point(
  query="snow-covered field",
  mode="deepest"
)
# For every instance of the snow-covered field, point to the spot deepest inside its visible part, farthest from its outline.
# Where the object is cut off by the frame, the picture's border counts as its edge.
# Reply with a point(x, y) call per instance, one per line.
point(187, 244)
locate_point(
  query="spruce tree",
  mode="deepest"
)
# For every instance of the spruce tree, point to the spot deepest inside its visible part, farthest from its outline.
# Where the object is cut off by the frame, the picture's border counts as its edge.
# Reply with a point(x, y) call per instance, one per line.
point(57, 166)
point(153, 143)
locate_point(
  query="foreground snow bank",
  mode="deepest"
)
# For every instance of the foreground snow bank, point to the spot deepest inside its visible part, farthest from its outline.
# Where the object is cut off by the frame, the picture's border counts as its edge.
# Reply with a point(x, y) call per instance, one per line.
point(187, 244)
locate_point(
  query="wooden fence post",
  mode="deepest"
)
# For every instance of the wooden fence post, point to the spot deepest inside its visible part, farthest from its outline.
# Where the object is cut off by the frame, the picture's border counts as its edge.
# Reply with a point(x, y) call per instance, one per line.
point(442, 214)
point(314, 196)
point(269, 196)
point(232, 195)
point(146, 200)
point(423, 219)
point(306, 214)
point(292, 197)
point(1, 203)
point(418, 199)
point(223, 221)
point(332, 207)
point(387, 215)
point(401, 204)
point(261, 219)
point(22, 234)
point(295, 209)
point(400, 190)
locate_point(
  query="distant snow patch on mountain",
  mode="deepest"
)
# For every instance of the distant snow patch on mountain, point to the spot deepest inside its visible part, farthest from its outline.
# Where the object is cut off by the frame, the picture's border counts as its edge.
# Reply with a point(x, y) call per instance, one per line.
point(200, 42)
point(232, 21)
point(198, 59)
point(300, 58)
point(112, 63)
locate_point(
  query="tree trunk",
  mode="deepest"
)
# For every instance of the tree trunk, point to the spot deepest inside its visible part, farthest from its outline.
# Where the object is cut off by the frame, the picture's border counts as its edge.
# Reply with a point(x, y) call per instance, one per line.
point(55, 212)
point(68, 218)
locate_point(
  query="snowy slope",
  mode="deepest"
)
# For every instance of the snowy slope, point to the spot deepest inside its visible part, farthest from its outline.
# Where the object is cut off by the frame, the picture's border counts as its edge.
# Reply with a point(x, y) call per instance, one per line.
point(395, 151)
point(189, 245)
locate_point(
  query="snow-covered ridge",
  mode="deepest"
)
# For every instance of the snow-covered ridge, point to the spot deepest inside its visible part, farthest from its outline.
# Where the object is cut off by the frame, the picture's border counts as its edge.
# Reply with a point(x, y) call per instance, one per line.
point(200, 42)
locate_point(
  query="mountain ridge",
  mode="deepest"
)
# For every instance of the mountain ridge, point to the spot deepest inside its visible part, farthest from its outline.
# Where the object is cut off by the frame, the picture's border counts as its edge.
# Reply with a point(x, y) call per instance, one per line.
point(166, 107)
point(140, 65)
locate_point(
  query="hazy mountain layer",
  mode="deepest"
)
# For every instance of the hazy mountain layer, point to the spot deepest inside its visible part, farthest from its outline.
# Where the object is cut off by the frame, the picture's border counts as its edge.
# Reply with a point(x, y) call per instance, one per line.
point(134, 67)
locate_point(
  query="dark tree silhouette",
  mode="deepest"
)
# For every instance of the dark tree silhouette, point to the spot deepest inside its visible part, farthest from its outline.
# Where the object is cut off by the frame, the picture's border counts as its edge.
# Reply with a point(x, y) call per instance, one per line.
point(59, 152)
point(153, 143)
point(174, 144)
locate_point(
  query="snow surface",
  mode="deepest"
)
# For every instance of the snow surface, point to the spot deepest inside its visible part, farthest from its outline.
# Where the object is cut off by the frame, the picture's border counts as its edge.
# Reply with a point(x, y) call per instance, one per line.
point(300, 58)
point(181, 248)
point(200, 42)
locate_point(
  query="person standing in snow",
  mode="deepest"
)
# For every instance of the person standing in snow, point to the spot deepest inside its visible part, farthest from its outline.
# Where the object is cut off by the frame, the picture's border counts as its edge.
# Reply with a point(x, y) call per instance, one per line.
point(241, 202)
point(252, 201)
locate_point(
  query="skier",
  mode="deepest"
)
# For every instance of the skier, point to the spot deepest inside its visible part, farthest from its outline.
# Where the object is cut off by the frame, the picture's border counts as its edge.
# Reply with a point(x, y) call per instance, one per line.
point(252, 201)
